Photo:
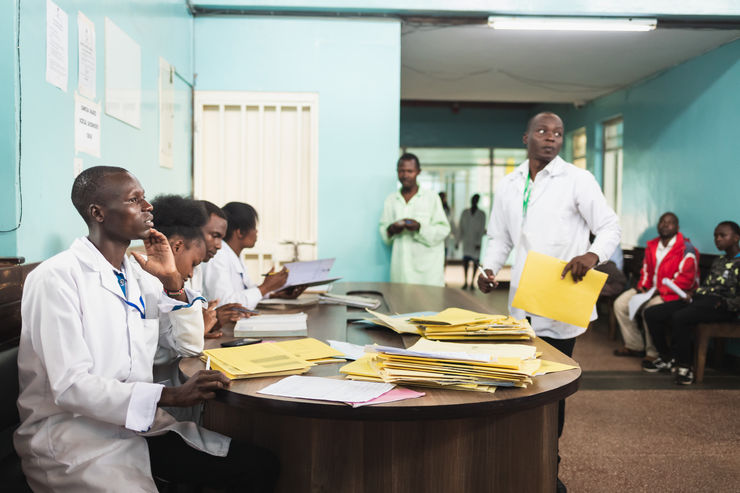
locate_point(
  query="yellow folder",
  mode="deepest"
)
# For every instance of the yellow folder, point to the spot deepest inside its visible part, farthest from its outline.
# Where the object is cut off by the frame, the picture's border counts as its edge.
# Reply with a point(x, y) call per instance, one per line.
point(542, 292)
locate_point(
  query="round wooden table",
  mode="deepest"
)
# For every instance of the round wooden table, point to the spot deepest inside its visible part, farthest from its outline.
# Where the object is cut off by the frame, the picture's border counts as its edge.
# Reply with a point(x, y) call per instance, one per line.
point(446, 441)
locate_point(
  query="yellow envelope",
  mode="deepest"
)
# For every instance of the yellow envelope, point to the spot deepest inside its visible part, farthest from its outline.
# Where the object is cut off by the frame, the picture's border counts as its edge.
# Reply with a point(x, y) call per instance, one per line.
point(398, 324)
point(543, 293)
point(309, 349)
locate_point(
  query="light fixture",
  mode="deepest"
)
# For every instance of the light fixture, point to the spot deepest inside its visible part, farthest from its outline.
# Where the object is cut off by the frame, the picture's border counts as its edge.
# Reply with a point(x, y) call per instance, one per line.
point(572, 23)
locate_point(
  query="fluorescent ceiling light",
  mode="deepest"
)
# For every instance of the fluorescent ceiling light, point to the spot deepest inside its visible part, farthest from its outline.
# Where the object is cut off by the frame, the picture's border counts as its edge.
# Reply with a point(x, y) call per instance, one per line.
point(572, 23)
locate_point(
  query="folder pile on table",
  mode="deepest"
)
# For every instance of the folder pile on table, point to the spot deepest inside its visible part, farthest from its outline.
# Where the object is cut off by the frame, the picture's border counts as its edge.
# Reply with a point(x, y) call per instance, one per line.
point(458, 324)
point(271, 359)
point(477, 367)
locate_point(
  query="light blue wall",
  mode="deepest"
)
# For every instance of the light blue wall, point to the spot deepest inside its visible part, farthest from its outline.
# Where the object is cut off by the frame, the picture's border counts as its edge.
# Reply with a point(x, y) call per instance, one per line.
point(680, 146)
point(440, 126)
point(354, 66)
point(8, 128)
point(162, 28)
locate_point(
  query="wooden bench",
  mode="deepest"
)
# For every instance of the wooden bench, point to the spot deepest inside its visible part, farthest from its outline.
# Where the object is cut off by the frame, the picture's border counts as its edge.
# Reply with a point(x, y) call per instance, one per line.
point(12, 278)
point(706, 331)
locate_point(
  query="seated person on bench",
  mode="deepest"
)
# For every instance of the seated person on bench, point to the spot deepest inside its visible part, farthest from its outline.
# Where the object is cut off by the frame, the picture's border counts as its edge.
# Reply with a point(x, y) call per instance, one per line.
point(716, 300)
point(671, 255)
point(91, 418)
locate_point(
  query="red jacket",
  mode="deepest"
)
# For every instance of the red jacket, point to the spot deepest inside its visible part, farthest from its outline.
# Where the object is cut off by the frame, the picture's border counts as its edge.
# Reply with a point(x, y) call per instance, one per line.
point(680, 264)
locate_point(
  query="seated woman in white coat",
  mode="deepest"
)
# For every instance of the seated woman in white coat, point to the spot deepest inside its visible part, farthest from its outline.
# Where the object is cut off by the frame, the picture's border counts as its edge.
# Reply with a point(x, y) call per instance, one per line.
point(91, 417)
point(181, 332)
point(225, 277)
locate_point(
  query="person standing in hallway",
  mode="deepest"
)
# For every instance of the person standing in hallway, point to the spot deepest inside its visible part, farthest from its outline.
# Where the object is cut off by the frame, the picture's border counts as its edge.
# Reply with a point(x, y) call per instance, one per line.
point(549, 206)
point(450, 240)
point(669, 256)
point(472, 228)
point(415, 226)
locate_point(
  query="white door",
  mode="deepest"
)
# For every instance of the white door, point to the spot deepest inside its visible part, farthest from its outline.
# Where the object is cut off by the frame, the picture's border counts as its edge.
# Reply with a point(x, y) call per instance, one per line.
point(262, 149)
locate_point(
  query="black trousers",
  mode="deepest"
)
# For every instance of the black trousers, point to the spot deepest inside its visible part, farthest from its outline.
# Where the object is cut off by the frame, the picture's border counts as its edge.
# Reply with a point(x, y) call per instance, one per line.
point(565, 346)
point(677, 319)
point(246, 468)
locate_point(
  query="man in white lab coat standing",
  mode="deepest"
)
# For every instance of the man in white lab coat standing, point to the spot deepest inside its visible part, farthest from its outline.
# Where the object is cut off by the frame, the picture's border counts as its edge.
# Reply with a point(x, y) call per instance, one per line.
point(549, 206)
point(91, 418)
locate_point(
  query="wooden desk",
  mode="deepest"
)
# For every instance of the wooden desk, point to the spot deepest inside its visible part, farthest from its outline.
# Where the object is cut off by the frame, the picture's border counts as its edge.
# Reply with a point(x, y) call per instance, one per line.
point(447, 441)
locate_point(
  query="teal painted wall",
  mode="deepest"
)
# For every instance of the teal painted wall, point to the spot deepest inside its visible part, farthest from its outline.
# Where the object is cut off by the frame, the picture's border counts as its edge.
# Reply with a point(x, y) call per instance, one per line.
point(162, 28)
point(680, 133)
point(354, 66)
point(8, 129)
point(440, 126)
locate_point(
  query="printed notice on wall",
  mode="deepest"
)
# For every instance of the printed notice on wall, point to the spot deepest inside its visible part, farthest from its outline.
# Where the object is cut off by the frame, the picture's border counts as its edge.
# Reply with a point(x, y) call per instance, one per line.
point(86, 56)
point(166, 113)
point(57, 46)
point(87, 126)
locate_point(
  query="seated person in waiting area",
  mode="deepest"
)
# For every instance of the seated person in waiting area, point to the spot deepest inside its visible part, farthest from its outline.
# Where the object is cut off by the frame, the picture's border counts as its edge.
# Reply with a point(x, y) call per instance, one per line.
point(716, 300)
point(669, 256)
point(91, 418)
point(225, 277)
point(214, 230)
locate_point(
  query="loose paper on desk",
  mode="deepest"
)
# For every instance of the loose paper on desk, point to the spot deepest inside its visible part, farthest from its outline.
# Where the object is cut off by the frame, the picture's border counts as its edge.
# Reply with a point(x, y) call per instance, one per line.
point(312, 272)
point(542, 292)
point(326, 389)
point(638, 300)
point(350, 351)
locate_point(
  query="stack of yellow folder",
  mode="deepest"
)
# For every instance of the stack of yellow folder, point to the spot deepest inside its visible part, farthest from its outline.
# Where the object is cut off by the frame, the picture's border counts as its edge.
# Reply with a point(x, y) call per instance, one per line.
point(478, 367)
point(459, 324)
point(271, 359)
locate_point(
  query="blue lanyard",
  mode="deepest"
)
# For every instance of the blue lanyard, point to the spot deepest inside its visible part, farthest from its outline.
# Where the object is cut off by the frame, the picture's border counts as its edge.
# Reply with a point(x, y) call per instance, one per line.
point(122, 284)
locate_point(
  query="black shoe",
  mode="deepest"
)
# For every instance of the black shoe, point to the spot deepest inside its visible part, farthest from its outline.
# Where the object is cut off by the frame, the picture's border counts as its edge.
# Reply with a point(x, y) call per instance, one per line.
point(684, 376)
point(560, 487)
point(656, 365)
point(465, 286)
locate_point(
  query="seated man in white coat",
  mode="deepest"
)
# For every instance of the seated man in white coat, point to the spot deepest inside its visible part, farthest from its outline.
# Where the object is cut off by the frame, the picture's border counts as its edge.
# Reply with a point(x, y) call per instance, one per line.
point(90, 414)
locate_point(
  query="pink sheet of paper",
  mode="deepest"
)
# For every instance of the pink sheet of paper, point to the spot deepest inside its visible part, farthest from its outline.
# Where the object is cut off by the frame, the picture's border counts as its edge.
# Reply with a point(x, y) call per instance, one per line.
point(393, 395)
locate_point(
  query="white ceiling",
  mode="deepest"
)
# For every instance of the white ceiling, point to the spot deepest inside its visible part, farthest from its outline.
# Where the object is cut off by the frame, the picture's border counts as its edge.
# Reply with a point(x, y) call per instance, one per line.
point(477, 63)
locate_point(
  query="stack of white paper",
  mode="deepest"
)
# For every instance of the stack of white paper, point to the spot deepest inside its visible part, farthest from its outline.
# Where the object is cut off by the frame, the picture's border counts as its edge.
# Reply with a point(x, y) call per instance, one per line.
point(355, 301)
point(288, 325)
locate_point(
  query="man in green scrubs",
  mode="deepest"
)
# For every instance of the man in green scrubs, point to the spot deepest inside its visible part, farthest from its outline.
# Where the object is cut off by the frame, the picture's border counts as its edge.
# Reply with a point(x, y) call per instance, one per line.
point(414, 224)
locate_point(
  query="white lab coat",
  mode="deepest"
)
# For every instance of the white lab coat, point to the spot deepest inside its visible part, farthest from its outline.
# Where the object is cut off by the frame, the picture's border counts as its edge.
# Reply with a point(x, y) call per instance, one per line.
point(225, 279)
point(85, 371)
point(181, 332)
point(565, 204)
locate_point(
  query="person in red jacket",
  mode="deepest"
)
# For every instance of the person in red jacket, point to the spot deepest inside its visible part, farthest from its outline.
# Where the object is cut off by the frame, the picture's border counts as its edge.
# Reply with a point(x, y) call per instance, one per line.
point(669, 256)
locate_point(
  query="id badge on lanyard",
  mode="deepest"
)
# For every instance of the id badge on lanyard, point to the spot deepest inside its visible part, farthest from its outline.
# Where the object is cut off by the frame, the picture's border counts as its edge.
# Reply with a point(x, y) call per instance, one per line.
point(122, 283)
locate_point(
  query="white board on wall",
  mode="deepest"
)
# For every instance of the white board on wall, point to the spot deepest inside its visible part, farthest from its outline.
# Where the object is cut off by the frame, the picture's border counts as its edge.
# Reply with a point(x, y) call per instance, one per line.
point(122, 75)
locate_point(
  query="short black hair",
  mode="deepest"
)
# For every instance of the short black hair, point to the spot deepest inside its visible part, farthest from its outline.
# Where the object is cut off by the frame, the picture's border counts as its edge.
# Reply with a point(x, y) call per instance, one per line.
point(669, 213)
point(212, 208)
point(732, 225)
point(240, 216)
point(87, 187)
point(178, 216)
point(529, 122)
point(407, 156)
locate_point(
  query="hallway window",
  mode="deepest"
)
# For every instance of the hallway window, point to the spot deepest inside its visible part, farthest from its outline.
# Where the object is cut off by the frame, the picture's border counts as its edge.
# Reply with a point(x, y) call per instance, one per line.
point(578, 139)
point(612, 175)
